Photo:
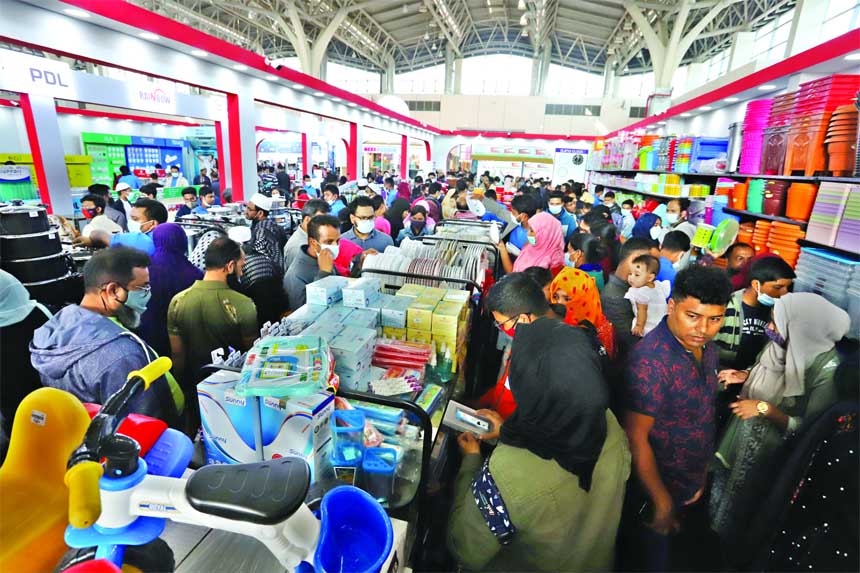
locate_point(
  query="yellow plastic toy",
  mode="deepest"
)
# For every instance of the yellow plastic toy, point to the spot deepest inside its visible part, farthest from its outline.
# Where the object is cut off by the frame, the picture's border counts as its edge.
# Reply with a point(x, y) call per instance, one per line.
point(34, 501)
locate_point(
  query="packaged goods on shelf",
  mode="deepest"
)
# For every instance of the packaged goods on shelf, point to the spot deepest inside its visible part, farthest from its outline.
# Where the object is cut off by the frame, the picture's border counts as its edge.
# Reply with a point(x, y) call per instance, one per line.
point(362, 293)
point(353, 347)
point(834, 277)
point(392, 309)
point(411, 290)
point(397, 353)
point(298, 427)
point(364, 317)
point(230, 422)
point(419, 335)
point(419, 316)
point(286, 366)
point(325, 330)
point(336, 314)
point(300, 319)
point(326, 291)
point(828, 211)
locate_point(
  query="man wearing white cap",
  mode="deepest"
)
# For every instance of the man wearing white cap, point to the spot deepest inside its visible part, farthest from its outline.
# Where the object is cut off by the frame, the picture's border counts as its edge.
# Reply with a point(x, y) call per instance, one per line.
point(123, 190)
point(267, 238)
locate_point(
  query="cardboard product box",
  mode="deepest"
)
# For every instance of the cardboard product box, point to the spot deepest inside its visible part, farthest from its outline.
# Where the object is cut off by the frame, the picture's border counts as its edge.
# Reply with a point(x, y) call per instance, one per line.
point(397, 559)
point(417, 335)
point(231, 423)
point(456, 295)
point(302, 317)
point(355, 379)
point(419, 316)
point(395, 311)
point(411, 290)
point(364, 318)
point(433, 293)
point(326, 291)
point(395, 333)
point(336, 313)
point(299, 427)
point(362, 292)
point(326, 330)
point(446, 319)
point(351, 347)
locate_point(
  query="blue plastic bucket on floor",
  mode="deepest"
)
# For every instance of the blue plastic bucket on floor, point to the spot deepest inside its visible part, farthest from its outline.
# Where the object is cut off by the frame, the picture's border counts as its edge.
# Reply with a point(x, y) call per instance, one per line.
point(355, 533)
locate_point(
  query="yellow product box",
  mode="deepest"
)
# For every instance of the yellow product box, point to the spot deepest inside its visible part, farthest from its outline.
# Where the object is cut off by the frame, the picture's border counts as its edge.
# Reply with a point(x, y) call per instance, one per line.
point(411, 290)
point(417, 335)
point(455, 295)
point(419, 316)
point(446, 319)
point(394, 332)
point(436, 294)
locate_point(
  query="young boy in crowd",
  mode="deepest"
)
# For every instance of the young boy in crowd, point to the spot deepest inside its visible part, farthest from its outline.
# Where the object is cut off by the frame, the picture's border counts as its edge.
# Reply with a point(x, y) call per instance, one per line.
point(647, 295)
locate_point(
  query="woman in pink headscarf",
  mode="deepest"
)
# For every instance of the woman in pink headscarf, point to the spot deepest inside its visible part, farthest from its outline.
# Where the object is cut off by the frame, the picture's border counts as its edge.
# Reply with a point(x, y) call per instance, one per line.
point(545, 247)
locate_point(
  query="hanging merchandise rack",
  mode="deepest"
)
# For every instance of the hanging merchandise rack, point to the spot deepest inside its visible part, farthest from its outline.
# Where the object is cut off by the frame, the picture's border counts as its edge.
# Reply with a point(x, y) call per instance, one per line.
point(494, 260)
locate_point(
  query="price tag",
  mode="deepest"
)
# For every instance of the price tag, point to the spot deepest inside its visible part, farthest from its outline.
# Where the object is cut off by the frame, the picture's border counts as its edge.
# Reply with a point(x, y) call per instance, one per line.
point(34, 214)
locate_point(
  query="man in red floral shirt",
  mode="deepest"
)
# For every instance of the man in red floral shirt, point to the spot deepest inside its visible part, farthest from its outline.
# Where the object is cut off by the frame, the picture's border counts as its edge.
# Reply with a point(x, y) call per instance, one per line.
point(670, 392)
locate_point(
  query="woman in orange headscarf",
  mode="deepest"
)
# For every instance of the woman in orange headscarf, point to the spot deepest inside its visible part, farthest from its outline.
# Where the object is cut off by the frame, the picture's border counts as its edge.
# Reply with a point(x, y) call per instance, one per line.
point(577, 291)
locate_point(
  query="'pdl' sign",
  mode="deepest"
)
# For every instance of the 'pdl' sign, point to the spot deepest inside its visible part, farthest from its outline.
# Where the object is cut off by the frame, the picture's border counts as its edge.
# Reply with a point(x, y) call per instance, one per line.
point(49, 78)
point(30, 74)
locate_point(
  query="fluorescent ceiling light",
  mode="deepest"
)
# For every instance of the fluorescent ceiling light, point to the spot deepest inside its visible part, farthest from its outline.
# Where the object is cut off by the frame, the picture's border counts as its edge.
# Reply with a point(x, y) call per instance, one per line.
point(199, 53)
point(767, 87)
point(240, 67)
point(686, 114)
point(298, 87)
point(271, 77)
point(76, 13)
point(318, 94)
point(149, 36)
point(705, 108)
point(661, 123)
point(732, 99)
point(852, 57)
point(352, 104)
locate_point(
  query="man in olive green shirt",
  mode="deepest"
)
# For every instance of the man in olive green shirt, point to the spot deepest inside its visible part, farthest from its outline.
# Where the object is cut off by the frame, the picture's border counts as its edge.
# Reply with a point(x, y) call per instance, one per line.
point(209, 315)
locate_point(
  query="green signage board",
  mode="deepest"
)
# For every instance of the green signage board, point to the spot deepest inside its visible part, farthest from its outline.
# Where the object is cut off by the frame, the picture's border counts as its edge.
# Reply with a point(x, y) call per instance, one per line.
point(107, 138)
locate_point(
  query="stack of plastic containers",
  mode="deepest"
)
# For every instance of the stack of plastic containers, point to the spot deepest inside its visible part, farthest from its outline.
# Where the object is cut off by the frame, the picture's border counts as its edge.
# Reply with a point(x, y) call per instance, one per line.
point(774, 197)
point(745, 233)
point(760, 236)
point(683, 154)
point(706, 149)
point(814, 106)
point(801, 198)
point(755, 195)
point(841, 141)
point(782, 241)
point(776, 134)
point(848, 235)
point(827, 212)
point(830, 275)
point(755, 122)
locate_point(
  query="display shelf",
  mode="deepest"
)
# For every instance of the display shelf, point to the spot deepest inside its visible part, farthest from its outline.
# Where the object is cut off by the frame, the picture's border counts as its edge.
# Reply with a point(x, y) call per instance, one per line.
point(648, 193)
point(849, 180)
point(799, 178)
point(741, 213)
point(850, 254)
point(653, 172)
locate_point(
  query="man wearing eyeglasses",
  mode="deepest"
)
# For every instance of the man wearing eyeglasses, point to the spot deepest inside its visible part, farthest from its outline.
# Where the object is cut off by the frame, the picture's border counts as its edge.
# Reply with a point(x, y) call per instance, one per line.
point(89, 349)
point(363, 232)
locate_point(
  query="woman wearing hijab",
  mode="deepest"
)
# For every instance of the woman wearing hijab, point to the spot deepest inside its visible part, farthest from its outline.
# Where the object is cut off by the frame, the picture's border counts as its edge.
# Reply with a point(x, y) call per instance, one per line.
point(170, 273)
point(578, 292)
point(395, 215)
point(549, 496)
point(545, 247)
point(790, 385)
point(648, 226)
point(20, 316)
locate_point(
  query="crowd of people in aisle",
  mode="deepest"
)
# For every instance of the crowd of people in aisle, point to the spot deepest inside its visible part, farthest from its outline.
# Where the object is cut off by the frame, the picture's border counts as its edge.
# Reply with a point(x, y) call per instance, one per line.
point(653, 411)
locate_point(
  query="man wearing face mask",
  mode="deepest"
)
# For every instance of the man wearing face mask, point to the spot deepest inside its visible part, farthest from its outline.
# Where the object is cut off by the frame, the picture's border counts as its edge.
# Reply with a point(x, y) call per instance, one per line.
point(299, 238)
point(675, 244)
point(557, 210)
point(315, 260)
point(363, 232)
point(207, 199)
point(88, 349)
point(207, 316)
point(93, 209)
point(146, 214)
point(176, 179)
point(189, 202)
point(331, 195)
point(742, 336)
point(677, 212)
point(267, 237)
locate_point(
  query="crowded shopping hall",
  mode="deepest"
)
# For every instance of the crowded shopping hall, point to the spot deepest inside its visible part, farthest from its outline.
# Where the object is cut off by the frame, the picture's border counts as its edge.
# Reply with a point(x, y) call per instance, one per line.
point(378, 286)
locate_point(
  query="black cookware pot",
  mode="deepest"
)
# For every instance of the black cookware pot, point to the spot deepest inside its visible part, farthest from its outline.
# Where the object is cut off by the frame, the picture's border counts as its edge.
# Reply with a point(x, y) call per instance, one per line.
point(23, 220)
point(40, 268)
point(14, 247)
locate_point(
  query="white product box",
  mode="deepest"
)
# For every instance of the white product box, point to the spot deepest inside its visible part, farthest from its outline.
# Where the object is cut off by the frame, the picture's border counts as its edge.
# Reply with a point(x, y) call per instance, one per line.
point(364, 318)
point(299, 427)
point(393, 311)
point(352, 346)
point(326, 291)
point(325, 330)
point(231, 423)
point(396, 562)
point(358, 380)
point(362, 293)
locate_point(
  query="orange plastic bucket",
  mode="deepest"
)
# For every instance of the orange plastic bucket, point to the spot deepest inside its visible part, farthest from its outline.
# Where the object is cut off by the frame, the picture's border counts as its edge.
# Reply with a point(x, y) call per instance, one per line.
point(738, 197)
point(801, 198)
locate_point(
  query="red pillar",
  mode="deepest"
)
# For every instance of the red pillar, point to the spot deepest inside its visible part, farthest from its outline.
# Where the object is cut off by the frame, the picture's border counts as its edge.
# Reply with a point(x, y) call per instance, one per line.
point(35, 151)
point(234, 135)
point(404, 157)
point(352, 150)
point(219, 151)
point(305, 159)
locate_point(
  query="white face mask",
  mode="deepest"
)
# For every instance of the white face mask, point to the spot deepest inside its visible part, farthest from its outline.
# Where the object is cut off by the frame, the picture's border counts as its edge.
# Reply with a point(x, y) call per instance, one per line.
point(364, 227)
point(655, 233)
point(672, 218)
point(133, 226)
point(555, 209)
point(333, 249)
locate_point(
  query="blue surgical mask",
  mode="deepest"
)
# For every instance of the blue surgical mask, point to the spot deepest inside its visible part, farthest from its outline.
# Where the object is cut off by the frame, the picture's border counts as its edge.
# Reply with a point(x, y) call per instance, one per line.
point(532, 240)
point(775, 337)
point(137, 300)
point(555, 209)
point(764, 299)
point(568, 262)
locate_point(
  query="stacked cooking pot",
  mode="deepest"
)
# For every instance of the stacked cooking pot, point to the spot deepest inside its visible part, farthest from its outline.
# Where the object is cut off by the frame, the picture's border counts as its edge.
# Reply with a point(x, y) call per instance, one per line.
point(30, 248)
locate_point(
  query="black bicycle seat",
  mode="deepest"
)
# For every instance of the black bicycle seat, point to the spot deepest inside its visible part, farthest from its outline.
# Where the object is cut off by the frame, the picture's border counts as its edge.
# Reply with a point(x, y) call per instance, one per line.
point(262, 492)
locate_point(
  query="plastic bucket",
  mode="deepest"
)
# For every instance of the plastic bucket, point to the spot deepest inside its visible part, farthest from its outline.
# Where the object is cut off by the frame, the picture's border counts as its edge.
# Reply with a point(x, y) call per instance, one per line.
point(355, 533)
point(755, 195)
point(801, 198)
